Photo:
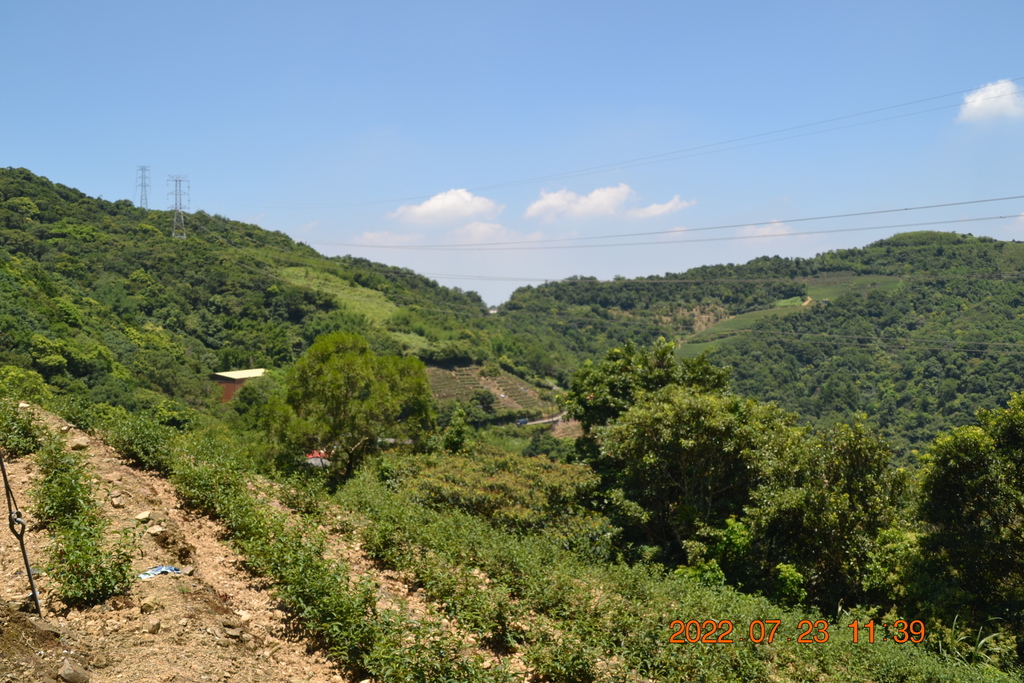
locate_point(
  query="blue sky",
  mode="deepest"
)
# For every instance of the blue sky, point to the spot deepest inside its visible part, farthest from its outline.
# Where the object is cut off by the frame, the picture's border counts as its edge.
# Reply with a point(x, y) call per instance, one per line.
point(359, 128)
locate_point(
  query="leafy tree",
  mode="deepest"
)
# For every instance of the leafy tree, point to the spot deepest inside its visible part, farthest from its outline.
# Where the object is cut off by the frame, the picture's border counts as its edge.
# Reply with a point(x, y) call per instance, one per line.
point(601, 391)
point(825, 506)
point(485, 399)
point(688, 459)
point(350, 399)
point(973, 498)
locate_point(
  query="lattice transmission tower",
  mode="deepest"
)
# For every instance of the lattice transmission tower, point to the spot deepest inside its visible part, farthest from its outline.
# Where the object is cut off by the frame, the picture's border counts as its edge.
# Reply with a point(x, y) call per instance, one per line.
point(143, 185)
point(180, 192)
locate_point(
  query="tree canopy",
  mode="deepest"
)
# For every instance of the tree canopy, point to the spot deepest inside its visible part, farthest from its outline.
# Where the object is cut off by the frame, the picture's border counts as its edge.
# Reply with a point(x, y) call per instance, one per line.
point(348, 399)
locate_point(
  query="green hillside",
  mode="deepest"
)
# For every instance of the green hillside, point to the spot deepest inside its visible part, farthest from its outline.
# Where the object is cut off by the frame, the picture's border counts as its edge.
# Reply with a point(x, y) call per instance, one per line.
point(754, 484)
point(917, 331)
point(99, 300)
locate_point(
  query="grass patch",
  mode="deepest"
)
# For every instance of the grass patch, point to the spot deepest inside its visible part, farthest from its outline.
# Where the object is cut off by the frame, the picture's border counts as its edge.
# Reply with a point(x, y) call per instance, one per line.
point(368, 302)
point(833, 287)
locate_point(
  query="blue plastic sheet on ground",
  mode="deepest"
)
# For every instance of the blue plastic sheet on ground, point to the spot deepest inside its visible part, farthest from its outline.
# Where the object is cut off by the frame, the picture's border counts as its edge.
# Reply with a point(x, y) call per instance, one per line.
point(157, 571)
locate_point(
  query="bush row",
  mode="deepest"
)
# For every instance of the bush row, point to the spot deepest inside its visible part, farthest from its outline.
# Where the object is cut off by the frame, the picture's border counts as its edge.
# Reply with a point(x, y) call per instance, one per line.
point(88, 563)
point(578, 621)
point(212, 474)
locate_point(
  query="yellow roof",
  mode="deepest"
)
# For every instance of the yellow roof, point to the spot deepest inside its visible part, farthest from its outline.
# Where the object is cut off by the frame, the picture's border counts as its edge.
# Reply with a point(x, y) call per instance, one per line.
point(241, 374)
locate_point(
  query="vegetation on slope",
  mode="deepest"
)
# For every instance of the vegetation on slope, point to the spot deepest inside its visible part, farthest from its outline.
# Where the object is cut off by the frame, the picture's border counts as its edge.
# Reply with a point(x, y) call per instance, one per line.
point(682, 501)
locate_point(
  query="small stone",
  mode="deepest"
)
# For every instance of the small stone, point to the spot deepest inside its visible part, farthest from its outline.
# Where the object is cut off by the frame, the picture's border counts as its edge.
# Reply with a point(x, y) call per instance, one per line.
point(157, 515)
point(64, 429)
point(233, 632)
point(149, 605)
point(22, 405)
point(155, 530)
point(44, 626)
point(223, 642)
point(72, 672)
point(117, 502)
point(153, 626)
point(79, 444)
point(188, 570)
point(143, 516)
point(100, 661)
point(230, 622)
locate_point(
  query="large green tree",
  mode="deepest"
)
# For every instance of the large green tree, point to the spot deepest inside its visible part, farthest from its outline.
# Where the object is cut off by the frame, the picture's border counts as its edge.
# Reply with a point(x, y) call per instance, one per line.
point(602, 391)
point(974, 501)
point(690, 459)
point(829, 506)
point(349, 400)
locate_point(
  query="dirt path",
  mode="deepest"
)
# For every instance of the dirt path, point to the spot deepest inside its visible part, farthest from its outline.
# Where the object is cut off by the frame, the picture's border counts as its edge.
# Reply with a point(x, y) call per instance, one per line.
point(217, 624)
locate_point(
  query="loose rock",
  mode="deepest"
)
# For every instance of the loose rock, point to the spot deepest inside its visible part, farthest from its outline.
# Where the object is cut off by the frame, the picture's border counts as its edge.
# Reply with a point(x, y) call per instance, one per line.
point(72, 672)
point(149, 605)
point(79, 443)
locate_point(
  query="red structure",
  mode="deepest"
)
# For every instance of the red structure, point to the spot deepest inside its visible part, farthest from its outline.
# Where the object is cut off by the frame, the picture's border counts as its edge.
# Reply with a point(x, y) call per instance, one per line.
point(232, 380)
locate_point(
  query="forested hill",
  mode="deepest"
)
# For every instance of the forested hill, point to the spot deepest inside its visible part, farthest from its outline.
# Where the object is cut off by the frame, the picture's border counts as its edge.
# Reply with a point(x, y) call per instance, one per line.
point(101, 301)
point(918, 330)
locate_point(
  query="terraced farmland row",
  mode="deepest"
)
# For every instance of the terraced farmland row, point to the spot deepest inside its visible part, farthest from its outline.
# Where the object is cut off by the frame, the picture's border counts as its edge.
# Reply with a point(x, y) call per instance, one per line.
point(511, 392)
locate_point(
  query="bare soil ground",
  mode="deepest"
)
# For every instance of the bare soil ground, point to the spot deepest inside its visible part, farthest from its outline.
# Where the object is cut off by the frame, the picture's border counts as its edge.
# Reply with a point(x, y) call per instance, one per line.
point(219, 623)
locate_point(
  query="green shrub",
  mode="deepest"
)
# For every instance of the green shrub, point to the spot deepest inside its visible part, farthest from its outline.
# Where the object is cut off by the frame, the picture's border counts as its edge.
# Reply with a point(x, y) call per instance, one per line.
point(138, 438)
point(82, 413)
point(19, 384)
point(19, 434)
point(89, 567)
point(62, 492)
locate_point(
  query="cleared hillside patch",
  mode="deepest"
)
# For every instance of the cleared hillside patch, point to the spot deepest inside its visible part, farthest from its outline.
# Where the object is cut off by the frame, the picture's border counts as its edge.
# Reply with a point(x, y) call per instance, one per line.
point(729, 330)
point(510, 392)
point(368, 302)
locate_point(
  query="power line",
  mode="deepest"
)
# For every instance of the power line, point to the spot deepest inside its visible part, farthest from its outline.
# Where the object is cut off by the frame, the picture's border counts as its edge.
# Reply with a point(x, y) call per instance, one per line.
point(707, 148)
point(855, 214)
point(721, 146)
point(693, 241)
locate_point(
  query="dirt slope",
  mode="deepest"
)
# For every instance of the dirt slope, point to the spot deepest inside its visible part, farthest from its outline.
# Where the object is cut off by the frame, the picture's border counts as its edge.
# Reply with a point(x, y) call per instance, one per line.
point(216, 624)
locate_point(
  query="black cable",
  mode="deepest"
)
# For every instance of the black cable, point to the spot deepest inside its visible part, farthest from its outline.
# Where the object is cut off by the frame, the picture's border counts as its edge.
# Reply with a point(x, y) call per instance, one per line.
point(426, 248)
point(17, 525)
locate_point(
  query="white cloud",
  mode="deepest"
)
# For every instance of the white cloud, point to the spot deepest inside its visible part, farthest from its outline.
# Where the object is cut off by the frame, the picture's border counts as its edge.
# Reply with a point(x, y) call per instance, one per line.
point(604, 201)
point(676, 204)
point(309, 226)
point(448, 206)
point(383, 238)
point(1002, 98)
point(775, 228)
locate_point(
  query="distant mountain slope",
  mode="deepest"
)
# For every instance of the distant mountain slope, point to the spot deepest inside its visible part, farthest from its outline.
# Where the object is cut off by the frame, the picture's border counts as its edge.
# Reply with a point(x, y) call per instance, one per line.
point(919, 330)
point(98, 298)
